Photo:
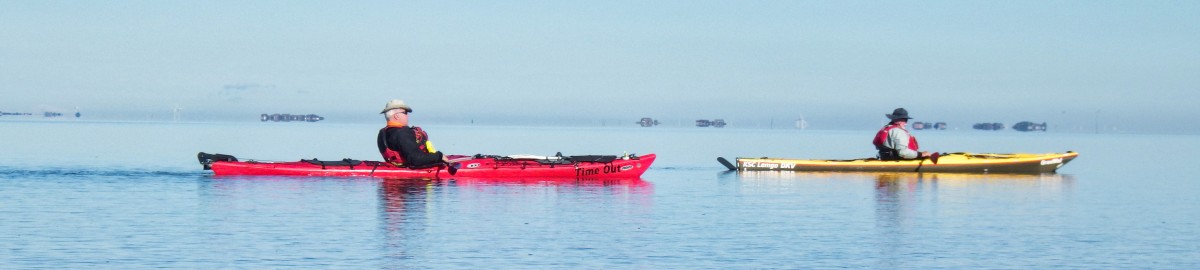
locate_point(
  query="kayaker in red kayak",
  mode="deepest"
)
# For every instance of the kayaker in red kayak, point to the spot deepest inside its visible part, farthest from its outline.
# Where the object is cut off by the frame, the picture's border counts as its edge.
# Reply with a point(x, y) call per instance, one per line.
point(894, 142)
point(402, 145)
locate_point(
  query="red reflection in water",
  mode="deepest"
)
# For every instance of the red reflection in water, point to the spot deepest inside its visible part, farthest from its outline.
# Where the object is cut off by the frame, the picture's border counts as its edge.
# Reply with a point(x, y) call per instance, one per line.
point(395, 193)
point(404, 202)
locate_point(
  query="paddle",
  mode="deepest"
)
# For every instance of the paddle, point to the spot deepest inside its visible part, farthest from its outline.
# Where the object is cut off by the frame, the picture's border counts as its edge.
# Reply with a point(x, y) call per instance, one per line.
point(934, 157)
point(450, 168)
point(726, 163)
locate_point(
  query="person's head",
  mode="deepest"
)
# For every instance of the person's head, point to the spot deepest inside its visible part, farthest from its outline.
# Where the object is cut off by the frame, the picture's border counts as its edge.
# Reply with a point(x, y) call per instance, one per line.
point(899, 115)
point(396, 111)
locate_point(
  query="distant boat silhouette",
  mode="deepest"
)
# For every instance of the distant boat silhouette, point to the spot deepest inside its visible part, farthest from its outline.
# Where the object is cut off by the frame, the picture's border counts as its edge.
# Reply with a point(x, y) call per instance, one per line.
point(647, 122)
point(1029, 126)
point(290, 117)
point(14, 113)
point(717, 123)
point(989, 126)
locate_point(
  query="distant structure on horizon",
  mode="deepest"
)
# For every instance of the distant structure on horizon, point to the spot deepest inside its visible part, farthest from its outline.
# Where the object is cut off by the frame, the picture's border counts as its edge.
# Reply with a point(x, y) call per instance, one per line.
point(989, 126)
point(717, 123)
point(647, 122)
point(291, 117)
point(14, 113)
point(47, 114)
point(927, 125)
point(1029, 126)
point(55, 113)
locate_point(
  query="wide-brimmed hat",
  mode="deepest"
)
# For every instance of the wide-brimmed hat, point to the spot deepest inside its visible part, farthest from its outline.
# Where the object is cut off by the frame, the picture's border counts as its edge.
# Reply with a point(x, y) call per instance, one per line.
point(396, 104)
point(899, 113)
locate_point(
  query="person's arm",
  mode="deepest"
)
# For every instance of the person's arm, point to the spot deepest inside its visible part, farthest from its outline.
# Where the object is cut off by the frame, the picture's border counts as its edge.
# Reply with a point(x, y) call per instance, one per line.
point(412, 153)
point(898, 140)
point(379, 138)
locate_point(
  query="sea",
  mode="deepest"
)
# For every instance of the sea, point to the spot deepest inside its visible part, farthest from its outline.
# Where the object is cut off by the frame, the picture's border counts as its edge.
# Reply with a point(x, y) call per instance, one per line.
point(131, 195)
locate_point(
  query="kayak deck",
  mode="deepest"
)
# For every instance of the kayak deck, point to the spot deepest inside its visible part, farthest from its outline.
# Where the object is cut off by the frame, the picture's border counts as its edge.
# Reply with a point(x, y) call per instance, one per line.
point(484, 166)
point(950, 162)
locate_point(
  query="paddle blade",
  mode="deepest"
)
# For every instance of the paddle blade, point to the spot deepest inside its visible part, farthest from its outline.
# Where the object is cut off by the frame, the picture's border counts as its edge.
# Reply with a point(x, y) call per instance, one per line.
point(207, 159)
point(726, 163)
point(934, 157)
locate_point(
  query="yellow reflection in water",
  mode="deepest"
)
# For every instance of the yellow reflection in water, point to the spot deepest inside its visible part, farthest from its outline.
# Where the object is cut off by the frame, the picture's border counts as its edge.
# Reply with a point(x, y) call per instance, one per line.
point(902, 202)
point(782, 179)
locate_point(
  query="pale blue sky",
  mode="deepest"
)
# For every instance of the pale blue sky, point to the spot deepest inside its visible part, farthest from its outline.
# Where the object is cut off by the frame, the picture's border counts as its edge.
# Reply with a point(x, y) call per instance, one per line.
point(842, 64)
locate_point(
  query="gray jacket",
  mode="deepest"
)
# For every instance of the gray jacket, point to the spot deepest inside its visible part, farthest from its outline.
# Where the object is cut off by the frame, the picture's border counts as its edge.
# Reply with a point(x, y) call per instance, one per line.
point(897, 139)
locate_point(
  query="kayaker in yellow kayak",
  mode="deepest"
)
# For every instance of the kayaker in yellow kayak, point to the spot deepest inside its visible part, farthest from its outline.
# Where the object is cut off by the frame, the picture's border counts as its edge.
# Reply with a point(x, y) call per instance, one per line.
point(402, 145)
point(894, 142)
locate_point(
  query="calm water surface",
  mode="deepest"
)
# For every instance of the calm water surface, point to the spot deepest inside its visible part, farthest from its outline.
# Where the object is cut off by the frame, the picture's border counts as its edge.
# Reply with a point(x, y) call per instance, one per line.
point(131, 195)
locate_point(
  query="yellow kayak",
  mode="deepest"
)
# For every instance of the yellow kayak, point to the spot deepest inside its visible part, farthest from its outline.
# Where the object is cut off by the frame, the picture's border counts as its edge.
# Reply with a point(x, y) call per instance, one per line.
point(949, 162)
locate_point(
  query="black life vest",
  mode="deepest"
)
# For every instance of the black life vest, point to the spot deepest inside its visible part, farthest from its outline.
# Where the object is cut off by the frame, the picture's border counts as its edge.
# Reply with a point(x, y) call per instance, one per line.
point(394, 157)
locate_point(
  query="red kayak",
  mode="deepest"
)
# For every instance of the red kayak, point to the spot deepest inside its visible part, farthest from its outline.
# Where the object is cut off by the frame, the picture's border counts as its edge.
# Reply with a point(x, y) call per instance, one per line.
point(483, 166)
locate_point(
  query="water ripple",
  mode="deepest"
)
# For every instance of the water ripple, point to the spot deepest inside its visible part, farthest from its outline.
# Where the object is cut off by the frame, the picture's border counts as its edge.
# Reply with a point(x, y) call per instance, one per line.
point(94, 172)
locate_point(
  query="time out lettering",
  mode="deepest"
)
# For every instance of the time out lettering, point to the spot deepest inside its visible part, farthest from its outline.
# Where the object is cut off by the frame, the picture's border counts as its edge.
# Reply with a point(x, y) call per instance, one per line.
point(607, 169)
point(586, 171)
